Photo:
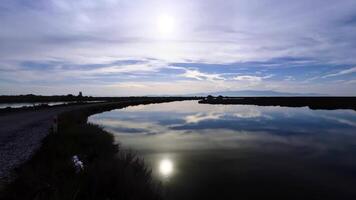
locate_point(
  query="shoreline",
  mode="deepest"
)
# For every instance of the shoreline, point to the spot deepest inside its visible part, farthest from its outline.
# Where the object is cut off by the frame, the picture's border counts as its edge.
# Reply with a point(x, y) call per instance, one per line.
point(50, 164)
point(314, 103)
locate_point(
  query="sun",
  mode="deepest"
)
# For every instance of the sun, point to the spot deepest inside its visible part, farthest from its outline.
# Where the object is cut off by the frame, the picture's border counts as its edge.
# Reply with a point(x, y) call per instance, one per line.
point(165, 25)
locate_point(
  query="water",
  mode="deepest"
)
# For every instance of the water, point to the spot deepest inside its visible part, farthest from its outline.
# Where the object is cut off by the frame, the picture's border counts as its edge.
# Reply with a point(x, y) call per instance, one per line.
point(31, 104)
point(19, 105)
point(205, 151)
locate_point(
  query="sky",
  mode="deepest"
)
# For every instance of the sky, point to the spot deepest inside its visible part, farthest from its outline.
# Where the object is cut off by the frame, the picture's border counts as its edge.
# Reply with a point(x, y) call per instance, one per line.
point(177, 47)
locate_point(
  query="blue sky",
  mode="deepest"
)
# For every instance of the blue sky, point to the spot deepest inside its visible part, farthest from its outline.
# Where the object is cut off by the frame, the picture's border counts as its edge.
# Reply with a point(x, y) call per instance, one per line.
point(166, 47)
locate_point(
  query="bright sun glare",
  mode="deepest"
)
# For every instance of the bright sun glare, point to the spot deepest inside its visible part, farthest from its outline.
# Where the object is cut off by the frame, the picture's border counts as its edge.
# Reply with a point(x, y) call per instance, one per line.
point(165, 25)
point(166, 167)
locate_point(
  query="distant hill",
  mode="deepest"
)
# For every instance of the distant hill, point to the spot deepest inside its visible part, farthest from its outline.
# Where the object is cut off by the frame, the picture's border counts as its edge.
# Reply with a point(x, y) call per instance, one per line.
point(257, 93)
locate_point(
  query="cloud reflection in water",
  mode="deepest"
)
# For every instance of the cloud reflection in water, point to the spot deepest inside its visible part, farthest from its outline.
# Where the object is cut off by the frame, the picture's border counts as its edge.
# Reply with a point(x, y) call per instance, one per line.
point(217, 127)
point(230, 147)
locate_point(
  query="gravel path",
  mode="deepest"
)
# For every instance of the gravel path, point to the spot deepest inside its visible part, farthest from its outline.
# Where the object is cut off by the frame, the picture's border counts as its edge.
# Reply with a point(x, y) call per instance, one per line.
point(21, 134)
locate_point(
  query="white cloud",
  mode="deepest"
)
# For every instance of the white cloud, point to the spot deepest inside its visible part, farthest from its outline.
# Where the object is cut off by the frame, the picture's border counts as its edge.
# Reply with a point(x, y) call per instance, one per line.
point(195, 74)
point(342, 72)
point(248, 78)
point(147, 66)
point(289, 78)
point(251, 78)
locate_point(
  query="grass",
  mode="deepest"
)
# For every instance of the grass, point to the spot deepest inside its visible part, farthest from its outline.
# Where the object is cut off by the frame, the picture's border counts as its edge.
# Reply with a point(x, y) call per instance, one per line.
point(109, 172)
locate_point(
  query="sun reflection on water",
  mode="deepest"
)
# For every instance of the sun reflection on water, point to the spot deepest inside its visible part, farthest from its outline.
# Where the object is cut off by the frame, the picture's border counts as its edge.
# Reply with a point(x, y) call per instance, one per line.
point(166, 167)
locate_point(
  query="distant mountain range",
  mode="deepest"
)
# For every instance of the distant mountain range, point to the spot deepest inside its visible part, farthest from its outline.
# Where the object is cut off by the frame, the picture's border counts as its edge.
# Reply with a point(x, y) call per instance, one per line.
point(255, 93)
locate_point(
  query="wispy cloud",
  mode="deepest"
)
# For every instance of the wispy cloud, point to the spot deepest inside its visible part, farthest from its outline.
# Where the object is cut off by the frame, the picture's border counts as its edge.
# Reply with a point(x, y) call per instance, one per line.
point(195, 74)
point(251, 78)
point(248, 78)
point(342, 72)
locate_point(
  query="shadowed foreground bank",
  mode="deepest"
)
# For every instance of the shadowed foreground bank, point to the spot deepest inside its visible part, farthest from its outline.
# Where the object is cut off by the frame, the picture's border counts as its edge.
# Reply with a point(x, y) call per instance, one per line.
point(327, 103)
point(109, 172)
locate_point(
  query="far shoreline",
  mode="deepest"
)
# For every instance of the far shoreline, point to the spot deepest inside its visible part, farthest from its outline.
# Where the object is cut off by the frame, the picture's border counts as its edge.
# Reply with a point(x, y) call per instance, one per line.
point(314, 103)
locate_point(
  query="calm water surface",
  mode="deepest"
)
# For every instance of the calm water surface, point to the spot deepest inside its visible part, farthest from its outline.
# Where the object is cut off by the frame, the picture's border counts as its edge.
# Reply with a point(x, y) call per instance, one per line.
point(206, 151)
point(31, 104)
point(19, 105)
